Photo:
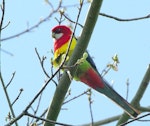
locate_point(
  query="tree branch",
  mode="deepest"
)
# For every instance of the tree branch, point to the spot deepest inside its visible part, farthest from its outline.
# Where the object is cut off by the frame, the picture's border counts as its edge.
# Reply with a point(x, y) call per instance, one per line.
point(20, 91)
point(3, 13)
point(104, 121)
point(50, 121)
point(13, 75)
point(144, 109)
point(120, 19)
point(42, 62)
point(124, 124)
point(138, 96)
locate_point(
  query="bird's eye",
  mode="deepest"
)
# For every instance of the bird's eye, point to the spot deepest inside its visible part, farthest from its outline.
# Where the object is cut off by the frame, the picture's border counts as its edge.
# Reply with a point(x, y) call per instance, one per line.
point(58, 31)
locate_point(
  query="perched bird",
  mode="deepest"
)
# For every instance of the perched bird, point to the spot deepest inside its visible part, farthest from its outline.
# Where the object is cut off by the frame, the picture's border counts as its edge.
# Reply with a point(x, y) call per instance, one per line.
point(86, 71)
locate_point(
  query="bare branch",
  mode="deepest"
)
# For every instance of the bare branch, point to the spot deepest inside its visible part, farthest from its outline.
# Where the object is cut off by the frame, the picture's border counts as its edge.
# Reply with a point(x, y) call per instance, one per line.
point(13, 75)
point(2, 18)
point(75, 5)
point(46, 120)
point(124, 124)
point(138, 96)
point(21, 90)
point(42, 62)
point(7, 52)
point(72, 20)
point(42, 65)
point(144, 109)
point(39, 101)
point(120, 19)
point(34, 26)
point(6, 25)
point(50, 4)
point(104, 121)
point(43, 114)
point(8, 98)
point(127, 83)
point(90, 106)
point(109, 66)
point(37, 107)
point(85, 92)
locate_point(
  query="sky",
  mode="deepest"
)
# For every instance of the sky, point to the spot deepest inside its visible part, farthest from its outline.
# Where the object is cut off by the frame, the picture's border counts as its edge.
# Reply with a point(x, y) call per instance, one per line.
point(129, 40)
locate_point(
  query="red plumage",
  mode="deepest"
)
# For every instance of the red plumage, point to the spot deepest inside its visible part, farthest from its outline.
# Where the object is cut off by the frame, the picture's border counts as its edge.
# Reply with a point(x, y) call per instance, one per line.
point(91, 78)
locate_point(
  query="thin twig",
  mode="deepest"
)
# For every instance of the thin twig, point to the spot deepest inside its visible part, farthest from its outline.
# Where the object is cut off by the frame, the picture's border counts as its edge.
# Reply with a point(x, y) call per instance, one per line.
point(90, 107)
point(13, 75)
point(127, 94)
point(50, 4)
point(72, 20)
point(52, 74)
point(74, 5)
point(43, 114)
point(60, 20)
point(6, 25)
point(68, 94)
point(37, 107)
point(42, 62)
point(120, 19)
point(46, 120)
point(105, 71)
point(113, 65)
point(7, 52)
point(2, 18)
point(42, 65)
point(85, 92)
point(104, 121)
point(21, 90)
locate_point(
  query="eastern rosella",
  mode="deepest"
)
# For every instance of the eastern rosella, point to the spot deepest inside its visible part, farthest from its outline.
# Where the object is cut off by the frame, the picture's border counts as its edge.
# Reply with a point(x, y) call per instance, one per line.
point(86, 71)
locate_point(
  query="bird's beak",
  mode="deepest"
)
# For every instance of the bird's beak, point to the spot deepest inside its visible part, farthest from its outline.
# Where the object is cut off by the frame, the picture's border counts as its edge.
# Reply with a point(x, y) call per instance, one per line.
point(53, 34)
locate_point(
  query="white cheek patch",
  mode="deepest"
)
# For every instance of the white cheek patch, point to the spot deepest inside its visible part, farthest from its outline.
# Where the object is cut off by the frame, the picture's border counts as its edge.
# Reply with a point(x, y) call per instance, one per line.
point(58, 35)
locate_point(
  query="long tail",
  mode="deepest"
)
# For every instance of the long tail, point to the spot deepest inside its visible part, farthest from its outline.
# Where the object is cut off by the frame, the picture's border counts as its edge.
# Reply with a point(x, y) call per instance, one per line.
point(92, 78)
point(115, 97)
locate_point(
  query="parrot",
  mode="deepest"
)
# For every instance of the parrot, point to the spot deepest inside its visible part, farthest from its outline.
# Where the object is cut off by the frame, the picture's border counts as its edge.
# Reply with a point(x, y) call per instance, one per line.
point(86, 71)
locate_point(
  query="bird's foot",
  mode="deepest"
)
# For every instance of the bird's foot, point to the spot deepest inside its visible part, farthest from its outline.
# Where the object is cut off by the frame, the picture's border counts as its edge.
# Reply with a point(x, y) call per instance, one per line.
point(81, 60)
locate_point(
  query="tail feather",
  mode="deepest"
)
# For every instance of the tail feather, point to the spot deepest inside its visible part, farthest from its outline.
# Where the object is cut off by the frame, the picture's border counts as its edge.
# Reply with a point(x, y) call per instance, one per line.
point(90, 76)
point(115, 97)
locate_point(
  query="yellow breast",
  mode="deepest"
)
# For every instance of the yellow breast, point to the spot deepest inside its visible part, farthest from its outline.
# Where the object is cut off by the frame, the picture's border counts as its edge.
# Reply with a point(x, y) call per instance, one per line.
point(60, 53)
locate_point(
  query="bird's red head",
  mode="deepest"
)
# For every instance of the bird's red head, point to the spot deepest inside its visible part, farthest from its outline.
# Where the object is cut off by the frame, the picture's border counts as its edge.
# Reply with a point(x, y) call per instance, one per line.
point(61, 35)
point(61, 31)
